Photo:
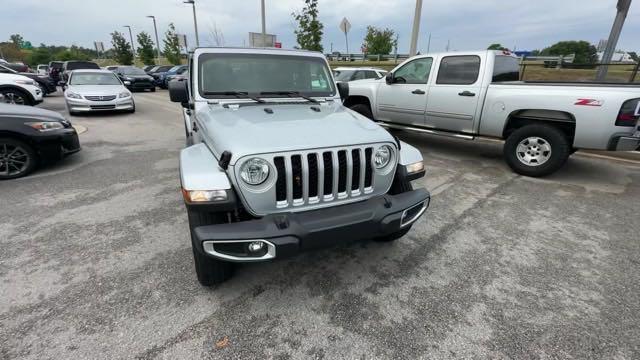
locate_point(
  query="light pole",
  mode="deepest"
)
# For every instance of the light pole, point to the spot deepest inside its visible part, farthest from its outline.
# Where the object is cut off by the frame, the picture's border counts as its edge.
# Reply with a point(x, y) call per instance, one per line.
point(195, 21)
point(264, 26)
point(133, 47)
point(155, 28)
point(622, 8)
point(416, 29)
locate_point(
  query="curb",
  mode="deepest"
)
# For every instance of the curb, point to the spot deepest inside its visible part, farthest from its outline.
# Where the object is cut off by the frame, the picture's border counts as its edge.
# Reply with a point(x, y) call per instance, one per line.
point(80, 129)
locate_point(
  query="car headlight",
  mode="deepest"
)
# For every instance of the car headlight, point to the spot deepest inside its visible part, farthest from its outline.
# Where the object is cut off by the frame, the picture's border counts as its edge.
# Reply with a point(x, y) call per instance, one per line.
point(45, 125)
point(73, 95)
point(204, 195)
point(254, 171)
point(128, 79)
point(382, 156)
point(24, 82)
point(124, 94)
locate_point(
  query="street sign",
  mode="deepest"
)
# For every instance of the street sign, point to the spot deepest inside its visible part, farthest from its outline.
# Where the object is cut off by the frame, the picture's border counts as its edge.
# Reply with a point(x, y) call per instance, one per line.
point(182, 40)
point(345, 25)
point(257, 40)
point(99, 46)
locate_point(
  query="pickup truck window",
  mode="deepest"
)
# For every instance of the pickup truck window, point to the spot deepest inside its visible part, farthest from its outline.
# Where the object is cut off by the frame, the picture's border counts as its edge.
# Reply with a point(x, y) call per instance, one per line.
point(221, 74)
point(414, 72)
point(459, 70)
point(506, 68)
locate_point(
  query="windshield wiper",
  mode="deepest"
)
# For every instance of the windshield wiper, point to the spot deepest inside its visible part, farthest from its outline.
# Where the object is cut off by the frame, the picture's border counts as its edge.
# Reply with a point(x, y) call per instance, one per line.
point(290, 94)
point(237, 94)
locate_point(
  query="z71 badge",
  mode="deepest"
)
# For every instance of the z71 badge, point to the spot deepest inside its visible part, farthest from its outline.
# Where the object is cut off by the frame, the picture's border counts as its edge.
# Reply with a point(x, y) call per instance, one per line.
point(589, 102)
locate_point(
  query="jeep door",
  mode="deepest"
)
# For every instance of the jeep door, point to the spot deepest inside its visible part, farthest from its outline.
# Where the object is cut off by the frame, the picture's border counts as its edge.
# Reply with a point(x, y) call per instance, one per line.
point(404, 101)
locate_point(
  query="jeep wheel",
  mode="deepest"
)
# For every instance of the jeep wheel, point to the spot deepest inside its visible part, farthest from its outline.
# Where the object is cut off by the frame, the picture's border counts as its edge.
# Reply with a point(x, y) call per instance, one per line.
point(210, 271)
point(536, 150)
point(362, 109)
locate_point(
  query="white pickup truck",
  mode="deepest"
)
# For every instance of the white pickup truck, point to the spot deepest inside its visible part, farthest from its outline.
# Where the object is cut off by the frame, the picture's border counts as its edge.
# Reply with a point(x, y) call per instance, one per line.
point(469, 94)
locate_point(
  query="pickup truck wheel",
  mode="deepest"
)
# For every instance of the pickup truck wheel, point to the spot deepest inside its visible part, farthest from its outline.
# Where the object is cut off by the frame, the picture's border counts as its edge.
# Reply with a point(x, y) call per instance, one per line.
point(362, 109)
point(399, 186)
point(536, 150)
point(209, 271)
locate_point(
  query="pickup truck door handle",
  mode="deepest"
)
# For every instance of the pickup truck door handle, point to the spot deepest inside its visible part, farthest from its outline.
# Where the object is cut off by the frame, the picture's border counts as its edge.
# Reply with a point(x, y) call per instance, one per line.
point(418, 92)
point(467, 93)
point(195, 127)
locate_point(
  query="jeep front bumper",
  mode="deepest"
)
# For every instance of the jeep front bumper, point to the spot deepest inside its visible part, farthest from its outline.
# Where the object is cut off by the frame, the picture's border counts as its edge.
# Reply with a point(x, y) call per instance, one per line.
point(286, 234)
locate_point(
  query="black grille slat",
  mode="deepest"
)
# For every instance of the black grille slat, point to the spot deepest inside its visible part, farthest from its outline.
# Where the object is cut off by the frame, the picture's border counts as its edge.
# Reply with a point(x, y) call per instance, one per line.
point(281, 182)
point(312, 160)
point(296, 170)
point(355, 173)
point(368, 170)
point(342, 171)
point(328, 173)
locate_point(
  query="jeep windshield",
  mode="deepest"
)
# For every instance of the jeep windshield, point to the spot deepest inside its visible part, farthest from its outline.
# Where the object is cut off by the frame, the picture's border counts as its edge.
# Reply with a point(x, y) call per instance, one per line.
point(267, 76)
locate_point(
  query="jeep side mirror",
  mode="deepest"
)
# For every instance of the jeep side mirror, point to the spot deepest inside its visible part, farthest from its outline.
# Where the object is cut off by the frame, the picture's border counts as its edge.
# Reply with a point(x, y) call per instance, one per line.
point(389, 78)
point(343, 90)
point(178, 92)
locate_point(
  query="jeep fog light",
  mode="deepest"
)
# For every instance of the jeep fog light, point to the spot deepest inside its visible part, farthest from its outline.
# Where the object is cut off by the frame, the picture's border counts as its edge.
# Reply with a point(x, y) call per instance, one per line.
point(415, 167)
point(204, 195)
point(255, 246)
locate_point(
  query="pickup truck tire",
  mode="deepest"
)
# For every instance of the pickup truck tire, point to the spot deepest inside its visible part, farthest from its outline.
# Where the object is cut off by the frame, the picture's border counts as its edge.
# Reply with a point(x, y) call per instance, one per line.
point(362, 109)
point(399, 186)
point(536, 150)
point(209, 271)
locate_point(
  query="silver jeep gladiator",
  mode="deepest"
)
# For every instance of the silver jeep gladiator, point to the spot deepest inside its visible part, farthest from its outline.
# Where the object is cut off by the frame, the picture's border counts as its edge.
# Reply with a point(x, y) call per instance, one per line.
point(275, 164)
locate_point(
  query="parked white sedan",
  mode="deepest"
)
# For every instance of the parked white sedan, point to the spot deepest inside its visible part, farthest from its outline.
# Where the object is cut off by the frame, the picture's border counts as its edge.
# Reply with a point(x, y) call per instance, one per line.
point(96, 90)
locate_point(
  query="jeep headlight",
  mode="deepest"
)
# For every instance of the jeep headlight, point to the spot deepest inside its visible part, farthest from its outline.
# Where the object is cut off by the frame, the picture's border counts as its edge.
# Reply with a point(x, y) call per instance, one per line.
point(254, 171)
point(383, 156)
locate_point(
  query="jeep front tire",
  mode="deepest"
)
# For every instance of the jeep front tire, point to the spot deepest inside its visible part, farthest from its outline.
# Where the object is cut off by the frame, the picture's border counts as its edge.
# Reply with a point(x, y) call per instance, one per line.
point(210, 271)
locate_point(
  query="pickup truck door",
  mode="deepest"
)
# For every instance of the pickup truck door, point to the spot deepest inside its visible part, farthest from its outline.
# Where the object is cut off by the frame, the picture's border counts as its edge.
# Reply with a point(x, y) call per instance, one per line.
point(453, 98)
point(405, 100)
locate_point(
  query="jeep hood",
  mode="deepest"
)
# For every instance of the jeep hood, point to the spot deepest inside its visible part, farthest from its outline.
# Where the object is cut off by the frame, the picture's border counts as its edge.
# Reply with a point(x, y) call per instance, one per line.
point(253, 129)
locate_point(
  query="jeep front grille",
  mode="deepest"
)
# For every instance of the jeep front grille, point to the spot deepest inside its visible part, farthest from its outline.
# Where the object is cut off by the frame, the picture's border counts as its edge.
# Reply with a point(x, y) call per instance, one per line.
point(312, 179)
point(323, 176)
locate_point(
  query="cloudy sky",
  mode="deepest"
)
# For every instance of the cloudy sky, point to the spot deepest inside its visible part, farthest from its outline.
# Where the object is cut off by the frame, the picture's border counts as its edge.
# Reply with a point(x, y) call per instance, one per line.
point(467, 24)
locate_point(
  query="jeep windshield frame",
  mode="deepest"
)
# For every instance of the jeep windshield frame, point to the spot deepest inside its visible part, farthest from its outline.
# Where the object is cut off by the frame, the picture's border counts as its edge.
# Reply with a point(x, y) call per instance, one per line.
point(264, 75)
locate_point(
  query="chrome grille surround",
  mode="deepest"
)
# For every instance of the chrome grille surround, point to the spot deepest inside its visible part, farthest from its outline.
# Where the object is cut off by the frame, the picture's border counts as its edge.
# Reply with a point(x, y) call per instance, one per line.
point(266, 199)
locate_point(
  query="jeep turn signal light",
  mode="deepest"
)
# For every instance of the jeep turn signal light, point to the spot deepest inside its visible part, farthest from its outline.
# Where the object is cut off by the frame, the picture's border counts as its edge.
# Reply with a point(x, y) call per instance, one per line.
point(415, 167)
point(204, 195)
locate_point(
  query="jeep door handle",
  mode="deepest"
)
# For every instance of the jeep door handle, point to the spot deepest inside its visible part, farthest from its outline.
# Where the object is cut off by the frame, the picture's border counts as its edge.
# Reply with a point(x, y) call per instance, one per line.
point(467, 93)
point(418, 92)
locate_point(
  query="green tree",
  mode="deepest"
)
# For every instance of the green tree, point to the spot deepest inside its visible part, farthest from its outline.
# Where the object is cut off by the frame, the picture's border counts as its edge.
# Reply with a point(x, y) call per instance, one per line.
point(121, 48)
point(145, 49)
point(378, 41)
point(17, 40)
point(11, 52)
point(309, 31)
point(172, 45)
point(39, 55)
point(584, 51)
point(634, 56)
point(496, 46)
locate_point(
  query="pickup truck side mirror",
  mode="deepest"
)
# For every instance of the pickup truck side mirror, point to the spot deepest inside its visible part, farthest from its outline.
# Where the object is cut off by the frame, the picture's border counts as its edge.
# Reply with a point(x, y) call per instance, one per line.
point(178, 92)
point(343, 90)
point(389, 78)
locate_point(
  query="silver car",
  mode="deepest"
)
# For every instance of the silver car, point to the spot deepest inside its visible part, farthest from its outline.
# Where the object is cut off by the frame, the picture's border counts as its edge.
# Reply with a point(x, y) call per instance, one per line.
point(97, 90)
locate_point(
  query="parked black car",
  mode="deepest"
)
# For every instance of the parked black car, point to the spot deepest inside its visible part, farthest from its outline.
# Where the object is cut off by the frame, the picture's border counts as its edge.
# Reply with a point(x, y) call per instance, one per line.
point(69, 66)
point(148, 68)
point(159, 72)
point(55, 70)
point(44, 82)
point(32, 136)
point(135, 78)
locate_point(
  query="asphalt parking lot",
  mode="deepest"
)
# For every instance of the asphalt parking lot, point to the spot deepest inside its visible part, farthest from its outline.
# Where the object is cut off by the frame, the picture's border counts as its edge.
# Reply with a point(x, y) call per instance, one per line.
point(96, 262)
